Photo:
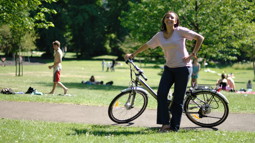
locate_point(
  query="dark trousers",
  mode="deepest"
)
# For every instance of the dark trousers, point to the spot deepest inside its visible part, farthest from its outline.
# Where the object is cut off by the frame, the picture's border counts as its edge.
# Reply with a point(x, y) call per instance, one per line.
point(180, 77)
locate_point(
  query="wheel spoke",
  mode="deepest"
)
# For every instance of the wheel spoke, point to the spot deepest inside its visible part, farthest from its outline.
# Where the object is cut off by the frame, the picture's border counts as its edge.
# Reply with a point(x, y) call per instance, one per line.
point(206, 109)
point(127, 106)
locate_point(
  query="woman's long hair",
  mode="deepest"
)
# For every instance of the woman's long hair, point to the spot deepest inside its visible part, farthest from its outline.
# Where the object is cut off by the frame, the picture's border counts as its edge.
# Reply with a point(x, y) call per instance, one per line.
point(163, 25)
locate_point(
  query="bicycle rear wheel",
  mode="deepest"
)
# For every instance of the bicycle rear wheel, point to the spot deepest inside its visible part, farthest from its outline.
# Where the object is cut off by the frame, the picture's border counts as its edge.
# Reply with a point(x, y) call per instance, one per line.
point(127, 106)
point(206, 109)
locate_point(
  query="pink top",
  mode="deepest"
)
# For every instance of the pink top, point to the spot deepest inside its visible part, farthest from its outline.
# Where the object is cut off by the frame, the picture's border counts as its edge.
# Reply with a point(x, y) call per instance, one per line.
point(174, 47)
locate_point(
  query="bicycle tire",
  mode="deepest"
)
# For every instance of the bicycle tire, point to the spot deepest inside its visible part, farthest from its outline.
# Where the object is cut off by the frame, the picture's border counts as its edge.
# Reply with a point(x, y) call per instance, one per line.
point(120, 103)
point(206, 108)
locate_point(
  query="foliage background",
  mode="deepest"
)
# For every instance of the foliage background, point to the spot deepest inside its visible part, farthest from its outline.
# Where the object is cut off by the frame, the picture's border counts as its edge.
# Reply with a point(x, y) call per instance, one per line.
point(96, 27)
point(227, 25)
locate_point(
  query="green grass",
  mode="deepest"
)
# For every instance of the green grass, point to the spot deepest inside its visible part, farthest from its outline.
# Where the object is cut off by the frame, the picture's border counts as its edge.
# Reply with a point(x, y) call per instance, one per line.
point(247, 65)
point(105, 57)
point(70, 55)
point(38, 131)
point(40, 77)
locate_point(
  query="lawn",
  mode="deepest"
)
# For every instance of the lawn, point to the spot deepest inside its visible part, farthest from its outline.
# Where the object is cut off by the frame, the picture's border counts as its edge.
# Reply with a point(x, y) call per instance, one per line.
point(40, 77)
point(38, 131)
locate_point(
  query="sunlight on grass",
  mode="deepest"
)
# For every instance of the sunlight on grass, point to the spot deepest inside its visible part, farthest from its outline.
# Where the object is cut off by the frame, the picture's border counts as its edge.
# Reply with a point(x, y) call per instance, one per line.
point(70, 55)
point(38, 131)
point(105, 57)
point(247, 66)
point(40, 78)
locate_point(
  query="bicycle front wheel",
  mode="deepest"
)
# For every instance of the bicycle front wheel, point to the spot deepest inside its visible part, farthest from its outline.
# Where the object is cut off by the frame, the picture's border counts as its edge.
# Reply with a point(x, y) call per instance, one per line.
point(206, 109)
point(127, 106)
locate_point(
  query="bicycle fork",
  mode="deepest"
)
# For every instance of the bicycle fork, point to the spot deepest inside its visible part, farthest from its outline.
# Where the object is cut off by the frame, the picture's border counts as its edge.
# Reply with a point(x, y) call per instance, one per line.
point(131, 99)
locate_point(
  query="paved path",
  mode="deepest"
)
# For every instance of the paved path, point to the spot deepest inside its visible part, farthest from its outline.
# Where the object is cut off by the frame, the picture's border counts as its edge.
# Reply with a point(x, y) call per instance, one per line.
point(98, 115)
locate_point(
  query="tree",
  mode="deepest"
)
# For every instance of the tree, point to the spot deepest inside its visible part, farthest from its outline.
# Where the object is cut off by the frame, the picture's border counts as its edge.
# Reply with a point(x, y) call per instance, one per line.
point(60, 31)
point(115, 32)
point(5, 38)
point(90, 28)
point(248, 46)
point(19, 16)
point(87, 28)
point(222, 23)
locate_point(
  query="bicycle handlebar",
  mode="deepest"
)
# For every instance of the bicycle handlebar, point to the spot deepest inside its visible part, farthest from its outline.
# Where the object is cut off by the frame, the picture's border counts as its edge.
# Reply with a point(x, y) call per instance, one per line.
point(140, 72)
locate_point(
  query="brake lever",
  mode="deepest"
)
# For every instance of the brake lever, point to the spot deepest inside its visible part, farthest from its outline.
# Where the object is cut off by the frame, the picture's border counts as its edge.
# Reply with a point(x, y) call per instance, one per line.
point(137, 69)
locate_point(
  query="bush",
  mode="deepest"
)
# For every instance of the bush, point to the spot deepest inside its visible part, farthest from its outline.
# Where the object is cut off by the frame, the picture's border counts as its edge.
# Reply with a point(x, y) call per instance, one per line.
point(246, 66)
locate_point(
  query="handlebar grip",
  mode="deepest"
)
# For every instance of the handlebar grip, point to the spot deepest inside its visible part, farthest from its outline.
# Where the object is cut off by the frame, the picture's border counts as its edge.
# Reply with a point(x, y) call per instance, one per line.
point(129, 61)
point(137, 69)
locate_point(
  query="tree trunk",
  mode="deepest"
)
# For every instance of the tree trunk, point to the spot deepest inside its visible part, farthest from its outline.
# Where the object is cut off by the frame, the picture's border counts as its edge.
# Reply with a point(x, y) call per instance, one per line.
point(254, 69)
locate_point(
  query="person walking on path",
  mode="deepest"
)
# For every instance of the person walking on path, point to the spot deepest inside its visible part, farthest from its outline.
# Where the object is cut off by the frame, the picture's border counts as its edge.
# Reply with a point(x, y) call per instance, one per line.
point(177, 70)
point(57, 66)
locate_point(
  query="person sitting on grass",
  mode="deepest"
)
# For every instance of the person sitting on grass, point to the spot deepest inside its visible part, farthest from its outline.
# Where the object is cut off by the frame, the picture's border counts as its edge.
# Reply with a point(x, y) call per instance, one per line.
point(231, 83)
point(222, 83)
point(92, 81)
point(249, 86)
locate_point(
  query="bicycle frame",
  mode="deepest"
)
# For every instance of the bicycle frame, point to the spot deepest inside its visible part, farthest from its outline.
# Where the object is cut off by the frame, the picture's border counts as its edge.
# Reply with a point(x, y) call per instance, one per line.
point(197, 103)
point(147, 89)
point(138, 81)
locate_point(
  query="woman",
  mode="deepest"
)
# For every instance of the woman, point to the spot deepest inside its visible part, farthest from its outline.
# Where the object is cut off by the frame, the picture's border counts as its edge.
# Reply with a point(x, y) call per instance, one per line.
point(177, 69)
point(222, 83)
point(231, 83)
point(195, 70)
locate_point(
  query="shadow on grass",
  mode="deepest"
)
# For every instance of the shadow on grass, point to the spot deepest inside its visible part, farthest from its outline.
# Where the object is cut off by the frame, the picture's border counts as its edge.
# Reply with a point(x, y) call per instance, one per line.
point(101, 130)
point(185, 129)
point(75, 85)
point(240, 82)
point(95, 87)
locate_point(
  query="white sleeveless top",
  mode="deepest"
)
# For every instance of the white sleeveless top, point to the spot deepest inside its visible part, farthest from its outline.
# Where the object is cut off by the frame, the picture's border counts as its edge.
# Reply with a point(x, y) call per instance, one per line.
point(174, 47)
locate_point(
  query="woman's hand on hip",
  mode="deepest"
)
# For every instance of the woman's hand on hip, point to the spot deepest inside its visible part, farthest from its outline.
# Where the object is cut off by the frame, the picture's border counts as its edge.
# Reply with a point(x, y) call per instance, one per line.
point(187, 59)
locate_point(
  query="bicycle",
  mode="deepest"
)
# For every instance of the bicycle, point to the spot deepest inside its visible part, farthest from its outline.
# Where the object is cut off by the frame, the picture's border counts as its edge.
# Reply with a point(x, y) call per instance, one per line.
point(203, 107)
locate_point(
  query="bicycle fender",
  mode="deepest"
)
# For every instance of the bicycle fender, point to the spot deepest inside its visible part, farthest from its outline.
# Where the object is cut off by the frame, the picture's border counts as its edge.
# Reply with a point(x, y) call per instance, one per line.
point(222, 96)
point(214, 91)
point(136, 88)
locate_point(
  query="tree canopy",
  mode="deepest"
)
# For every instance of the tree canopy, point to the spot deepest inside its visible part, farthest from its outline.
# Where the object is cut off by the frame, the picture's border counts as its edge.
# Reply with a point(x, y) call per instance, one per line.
point(22, 16)
point(96, 27)
point(227, 25)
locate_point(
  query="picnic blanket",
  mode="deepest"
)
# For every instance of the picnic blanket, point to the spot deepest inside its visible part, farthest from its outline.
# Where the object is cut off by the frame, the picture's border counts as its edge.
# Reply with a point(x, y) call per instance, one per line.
point(242, 92)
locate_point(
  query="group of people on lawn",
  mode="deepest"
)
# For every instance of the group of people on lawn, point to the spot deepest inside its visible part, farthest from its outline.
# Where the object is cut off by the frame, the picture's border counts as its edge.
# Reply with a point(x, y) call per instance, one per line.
point(226, 82)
